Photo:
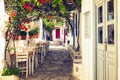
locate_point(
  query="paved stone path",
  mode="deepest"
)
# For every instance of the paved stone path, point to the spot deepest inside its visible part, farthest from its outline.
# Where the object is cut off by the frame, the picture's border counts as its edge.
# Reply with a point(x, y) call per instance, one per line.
point(57, 66)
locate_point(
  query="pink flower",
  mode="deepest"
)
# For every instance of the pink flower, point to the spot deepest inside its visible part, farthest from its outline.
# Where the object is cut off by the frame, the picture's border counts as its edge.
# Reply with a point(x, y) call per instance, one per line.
point(49, 17)
point(23, 27)
point(28, 6)
point(25, 5)
point(13, 14)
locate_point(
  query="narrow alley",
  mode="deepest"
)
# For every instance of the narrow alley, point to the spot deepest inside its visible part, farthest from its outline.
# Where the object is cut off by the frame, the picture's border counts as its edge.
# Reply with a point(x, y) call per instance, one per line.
point(57, 65)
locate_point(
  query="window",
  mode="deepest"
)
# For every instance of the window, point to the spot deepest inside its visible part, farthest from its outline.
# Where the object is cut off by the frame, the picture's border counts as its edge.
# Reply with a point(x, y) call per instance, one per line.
point(110, 10)
point(100, 16)
point(111, 34)
point(100, 35)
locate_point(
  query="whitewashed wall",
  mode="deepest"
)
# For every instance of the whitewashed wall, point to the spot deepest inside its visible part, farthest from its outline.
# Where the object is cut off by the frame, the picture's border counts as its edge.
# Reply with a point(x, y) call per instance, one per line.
point(1, 26)
point(118, 39)
point(2, 39)
point(41, 29)
point(88, 44)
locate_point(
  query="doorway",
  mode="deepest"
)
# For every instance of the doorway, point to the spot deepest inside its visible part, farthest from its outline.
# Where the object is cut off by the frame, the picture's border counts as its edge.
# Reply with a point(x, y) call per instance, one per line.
point(57, 33)
point(106, 40)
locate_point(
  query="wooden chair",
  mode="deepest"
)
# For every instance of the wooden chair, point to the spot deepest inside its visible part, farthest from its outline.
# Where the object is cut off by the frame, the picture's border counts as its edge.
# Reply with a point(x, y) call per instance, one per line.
point(42, 53)
point(25, 55)
point(36, 57)
point(22, 62)
point(31, 57)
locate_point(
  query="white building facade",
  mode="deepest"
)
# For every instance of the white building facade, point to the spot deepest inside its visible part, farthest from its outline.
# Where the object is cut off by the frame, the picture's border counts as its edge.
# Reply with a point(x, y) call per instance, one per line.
point(3, 29)
point(100, 20)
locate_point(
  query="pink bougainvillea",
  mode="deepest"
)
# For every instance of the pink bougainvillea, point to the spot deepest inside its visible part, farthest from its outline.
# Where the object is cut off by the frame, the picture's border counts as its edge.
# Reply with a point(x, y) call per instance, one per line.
point(49, 17)
point(13, 13)
point(23, 27)
point(44, 1)
point(28, 6)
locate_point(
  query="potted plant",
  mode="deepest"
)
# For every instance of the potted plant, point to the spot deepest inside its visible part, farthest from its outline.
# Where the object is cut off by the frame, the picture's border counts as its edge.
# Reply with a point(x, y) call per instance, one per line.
point(10, 71)
point(36, 32)
point(23, 35)
point(31, 33)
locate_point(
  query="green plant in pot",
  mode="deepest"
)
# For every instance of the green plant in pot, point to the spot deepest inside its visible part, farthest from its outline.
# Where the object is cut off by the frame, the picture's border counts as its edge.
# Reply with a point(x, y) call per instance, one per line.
point(23, 35)
point(36, 32)
point(31, 33)
point(10, 71)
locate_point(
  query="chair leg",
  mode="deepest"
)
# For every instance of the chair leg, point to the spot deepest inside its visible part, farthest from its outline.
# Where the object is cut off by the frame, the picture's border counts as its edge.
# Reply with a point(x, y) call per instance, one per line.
point(36, 60)
point(27, 68)
point(32, 64)
point(42, 57)
point(16, 64)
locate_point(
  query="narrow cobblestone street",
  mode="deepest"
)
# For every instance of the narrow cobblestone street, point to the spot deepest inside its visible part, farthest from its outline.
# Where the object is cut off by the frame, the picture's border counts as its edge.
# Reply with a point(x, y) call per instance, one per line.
point(57, 66)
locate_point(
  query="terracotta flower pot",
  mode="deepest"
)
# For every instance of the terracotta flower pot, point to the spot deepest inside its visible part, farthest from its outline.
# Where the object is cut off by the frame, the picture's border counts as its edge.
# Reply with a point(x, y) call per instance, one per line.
point(30, 37)
point(36, 36)
point(15, 37)
point(23, 37)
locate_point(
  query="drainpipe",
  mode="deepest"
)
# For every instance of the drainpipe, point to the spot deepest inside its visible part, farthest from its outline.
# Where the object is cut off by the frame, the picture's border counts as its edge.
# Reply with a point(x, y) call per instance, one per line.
point(78, 38)
point(73, 31)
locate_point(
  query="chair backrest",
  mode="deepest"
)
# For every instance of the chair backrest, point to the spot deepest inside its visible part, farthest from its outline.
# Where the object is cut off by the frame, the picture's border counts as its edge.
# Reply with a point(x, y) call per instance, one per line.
point(31, 43)
point(19, 49)
point(27, 49)
point(21, 56)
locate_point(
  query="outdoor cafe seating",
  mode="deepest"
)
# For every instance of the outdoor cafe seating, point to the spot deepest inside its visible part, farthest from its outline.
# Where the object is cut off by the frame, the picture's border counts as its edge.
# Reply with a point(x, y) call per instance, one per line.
point(27, 56)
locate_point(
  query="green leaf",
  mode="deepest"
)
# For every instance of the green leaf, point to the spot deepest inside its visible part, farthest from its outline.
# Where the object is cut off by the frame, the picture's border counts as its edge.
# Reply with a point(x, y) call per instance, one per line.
point(35, 0)
point(54, 5)
point(59, 2)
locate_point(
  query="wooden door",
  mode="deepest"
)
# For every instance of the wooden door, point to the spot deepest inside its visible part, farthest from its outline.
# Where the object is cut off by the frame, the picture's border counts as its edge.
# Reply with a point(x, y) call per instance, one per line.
point(106, 41)
point(57, 33)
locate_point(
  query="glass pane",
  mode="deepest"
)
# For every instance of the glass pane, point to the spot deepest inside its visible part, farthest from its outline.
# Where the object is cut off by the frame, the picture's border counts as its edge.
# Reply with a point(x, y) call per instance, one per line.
point(100, 35)
point(110, 11)
point(100, 14)
point(111, 34)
